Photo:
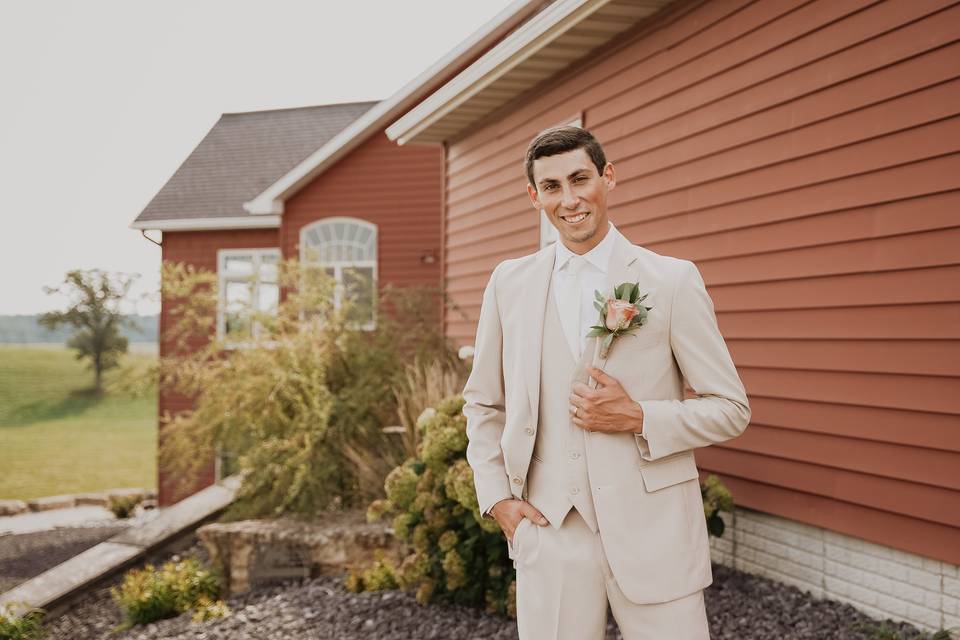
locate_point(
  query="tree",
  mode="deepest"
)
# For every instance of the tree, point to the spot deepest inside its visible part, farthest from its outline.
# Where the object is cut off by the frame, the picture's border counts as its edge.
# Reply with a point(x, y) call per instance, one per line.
point(95, 314)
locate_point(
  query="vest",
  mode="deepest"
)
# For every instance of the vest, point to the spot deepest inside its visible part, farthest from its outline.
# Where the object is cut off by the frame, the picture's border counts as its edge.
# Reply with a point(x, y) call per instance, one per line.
point(558, 478)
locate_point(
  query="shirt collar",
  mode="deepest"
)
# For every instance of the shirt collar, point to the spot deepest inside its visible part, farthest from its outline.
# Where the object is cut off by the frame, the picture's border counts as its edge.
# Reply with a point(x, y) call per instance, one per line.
point(599, 256)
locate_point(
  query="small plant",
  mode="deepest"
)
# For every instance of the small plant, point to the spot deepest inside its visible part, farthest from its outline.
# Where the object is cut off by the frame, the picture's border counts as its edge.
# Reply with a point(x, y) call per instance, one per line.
point(149, 594)
point(716, 498)
point(123, 506)
point(380, 576)
point(28, 626)
point(884, 631)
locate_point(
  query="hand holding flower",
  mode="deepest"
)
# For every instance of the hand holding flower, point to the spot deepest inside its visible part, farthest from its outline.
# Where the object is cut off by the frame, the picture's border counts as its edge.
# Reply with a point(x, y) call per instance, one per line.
point(607, 408)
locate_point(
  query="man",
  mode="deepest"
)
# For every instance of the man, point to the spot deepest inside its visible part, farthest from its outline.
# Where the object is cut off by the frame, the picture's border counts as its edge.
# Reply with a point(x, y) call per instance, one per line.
point(586, 462)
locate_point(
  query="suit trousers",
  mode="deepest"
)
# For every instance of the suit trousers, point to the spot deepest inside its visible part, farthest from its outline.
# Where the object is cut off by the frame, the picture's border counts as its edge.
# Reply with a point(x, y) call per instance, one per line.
point(564, 584)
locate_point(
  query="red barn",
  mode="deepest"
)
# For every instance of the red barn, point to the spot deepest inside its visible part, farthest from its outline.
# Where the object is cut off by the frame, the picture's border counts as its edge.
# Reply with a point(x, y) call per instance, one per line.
point(806, 156)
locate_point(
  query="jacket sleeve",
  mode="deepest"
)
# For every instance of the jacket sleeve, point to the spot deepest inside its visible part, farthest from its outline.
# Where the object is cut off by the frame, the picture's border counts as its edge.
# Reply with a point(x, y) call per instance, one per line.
point(485, 405)
point(720, 410)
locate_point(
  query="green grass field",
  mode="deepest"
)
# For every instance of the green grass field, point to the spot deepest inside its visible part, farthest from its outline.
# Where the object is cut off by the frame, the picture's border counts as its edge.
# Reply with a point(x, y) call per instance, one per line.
point(56, 437)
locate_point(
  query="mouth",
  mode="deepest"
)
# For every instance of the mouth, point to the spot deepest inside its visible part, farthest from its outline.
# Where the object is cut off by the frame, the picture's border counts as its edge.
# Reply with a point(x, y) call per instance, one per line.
point(576, 218)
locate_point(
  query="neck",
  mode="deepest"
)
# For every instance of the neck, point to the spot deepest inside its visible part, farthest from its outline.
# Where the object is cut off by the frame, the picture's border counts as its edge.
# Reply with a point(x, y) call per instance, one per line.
point(581, 248)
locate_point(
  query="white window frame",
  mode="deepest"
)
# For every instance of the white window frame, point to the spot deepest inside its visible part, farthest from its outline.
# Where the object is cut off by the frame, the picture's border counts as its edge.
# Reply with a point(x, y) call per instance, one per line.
point(338, 265)
point(548, 232)
point(257, 255)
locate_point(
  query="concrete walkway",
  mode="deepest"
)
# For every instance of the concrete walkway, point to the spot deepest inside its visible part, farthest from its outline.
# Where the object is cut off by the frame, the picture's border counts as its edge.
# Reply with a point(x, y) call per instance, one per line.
point(54, 589)
point(69, 517)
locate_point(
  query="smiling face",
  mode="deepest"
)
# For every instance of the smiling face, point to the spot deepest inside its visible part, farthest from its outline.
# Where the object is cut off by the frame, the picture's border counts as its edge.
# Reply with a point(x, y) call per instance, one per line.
point(573, 196)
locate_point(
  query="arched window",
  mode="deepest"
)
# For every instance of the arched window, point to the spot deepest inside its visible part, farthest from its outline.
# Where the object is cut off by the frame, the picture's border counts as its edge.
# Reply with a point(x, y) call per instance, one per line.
point(347, 249)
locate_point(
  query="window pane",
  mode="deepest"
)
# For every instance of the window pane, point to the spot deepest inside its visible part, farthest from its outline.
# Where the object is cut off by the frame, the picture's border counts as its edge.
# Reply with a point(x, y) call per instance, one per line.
point(238, 265)
point(269, 298)
point(268, 268)
point(237, 316)
point(360, 287)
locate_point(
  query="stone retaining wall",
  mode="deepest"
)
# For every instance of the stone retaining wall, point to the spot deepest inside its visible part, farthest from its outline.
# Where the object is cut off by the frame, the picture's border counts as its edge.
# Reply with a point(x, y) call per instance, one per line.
point(66, 501)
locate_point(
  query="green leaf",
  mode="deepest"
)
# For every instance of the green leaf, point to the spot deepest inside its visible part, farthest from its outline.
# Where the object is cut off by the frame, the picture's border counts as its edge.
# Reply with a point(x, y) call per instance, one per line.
point(608, 341)
point(598, 306)
point(618, 290)
point(633, 292)
point(715, 525)
point(599, 296)
point(596, 331)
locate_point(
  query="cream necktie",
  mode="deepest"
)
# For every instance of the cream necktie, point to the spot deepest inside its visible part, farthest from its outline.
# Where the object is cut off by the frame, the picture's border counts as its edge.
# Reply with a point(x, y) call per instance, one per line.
point(573, 304)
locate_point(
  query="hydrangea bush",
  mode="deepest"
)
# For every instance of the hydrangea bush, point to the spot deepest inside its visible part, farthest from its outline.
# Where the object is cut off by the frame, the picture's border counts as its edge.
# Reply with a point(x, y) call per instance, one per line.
point(457, 556)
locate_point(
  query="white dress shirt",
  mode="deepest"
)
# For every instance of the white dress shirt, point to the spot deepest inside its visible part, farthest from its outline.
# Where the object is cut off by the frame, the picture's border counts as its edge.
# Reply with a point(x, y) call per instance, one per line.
point(592, 277)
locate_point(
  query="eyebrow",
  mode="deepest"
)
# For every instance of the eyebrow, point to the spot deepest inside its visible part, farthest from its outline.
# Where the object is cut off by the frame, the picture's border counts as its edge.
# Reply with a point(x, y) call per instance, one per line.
point(569, 177)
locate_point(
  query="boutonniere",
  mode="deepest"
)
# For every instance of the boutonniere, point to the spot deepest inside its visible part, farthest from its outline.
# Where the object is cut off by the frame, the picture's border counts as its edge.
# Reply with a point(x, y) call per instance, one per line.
point(619, 314)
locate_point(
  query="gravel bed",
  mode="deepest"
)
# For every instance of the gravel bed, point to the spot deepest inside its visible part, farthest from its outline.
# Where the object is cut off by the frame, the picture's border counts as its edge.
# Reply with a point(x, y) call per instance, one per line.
point(739, 606)
point(25, 555)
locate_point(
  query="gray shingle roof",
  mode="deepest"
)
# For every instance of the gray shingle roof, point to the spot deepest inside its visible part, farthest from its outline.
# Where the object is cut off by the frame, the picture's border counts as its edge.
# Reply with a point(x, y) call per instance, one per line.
point(242, 155)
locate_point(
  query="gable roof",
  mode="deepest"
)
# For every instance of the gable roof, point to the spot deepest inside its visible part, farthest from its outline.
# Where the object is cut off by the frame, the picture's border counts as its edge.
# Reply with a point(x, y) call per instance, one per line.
point(564, 32)
point(238, 158)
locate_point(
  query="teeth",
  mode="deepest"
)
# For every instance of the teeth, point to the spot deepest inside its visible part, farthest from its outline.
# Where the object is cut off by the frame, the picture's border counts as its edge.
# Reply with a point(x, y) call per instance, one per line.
point(576, 218)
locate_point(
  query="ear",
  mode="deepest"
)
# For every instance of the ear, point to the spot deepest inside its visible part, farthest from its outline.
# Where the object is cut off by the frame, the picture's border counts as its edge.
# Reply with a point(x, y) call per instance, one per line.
point(534, 197)
point(609, 176)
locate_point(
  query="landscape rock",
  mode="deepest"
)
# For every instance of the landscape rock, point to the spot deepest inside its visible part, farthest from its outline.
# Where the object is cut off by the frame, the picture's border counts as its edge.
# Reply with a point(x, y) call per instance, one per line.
point(257, 552)
point(51, 502)
point(13, 507)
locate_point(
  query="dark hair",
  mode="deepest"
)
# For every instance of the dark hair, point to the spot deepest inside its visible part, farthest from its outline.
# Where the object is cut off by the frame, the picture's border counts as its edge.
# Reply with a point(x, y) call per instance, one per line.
point(560, 140)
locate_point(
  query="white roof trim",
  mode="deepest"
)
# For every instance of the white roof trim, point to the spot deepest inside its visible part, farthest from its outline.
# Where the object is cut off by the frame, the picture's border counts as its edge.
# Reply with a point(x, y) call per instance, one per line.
point(270, 201)
point(514, 49)
point(209, 224)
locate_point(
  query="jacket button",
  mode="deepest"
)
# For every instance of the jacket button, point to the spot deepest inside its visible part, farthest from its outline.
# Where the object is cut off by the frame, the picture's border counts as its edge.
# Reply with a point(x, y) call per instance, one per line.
point(574, 456)
point(528, 431)
point(574, 491)
point(517, 480)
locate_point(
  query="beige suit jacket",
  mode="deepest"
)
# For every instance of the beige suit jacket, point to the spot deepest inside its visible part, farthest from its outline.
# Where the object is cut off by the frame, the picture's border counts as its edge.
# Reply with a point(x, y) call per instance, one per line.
point(647, 501)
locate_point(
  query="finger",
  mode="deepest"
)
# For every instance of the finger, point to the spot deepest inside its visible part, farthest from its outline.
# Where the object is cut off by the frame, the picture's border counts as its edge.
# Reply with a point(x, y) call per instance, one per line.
point(602, 377)
point(533, 514)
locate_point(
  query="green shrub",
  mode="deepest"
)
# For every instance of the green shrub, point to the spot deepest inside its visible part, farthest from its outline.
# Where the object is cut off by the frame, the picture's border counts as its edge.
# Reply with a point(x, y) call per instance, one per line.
point(885, 632)
point(304, 405)
point(716, 498)
point(28, 626)
point(122, 506)
point(457, 555)
point(150, 594)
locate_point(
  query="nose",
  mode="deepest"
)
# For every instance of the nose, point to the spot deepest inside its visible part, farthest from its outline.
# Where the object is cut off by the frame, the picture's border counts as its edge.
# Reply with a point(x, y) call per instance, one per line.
point(569, 199)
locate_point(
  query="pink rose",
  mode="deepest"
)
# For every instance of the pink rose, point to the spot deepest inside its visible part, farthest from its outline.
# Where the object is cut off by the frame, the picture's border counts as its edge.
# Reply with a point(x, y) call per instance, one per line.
point(619, 313)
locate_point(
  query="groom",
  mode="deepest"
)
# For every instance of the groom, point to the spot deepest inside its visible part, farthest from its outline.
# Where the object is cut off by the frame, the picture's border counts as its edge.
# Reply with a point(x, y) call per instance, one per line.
point(585, 458)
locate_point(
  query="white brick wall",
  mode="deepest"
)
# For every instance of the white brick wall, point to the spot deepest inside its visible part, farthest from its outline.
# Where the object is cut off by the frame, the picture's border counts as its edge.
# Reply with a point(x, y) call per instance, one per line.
point(880, 581)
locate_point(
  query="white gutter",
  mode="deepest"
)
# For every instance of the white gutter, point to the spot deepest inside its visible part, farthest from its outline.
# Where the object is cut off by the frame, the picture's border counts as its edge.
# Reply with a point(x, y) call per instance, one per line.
point(270, 201)
point(209, 224)
point(514, 49)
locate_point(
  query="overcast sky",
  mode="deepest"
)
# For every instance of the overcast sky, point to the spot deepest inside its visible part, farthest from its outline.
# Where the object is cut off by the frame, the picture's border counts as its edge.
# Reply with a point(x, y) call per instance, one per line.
point(102, 101)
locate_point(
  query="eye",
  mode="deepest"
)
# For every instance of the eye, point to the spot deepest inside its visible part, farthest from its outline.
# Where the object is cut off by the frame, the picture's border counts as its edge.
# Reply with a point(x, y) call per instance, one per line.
point(580, 178)
point(550, 187)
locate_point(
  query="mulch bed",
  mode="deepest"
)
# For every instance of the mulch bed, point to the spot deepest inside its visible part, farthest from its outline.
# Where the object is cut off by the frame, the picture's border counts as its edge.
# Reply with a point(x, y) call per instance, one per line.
point(739, 606)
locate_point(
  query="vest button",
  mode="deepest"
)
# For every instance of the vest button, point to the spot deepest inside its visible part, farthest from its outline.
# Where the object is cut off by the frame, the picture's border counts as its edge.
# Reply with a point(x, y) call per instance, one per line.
point(517, 480)
point(574, 491)
point(528, 431)
point(574, 456)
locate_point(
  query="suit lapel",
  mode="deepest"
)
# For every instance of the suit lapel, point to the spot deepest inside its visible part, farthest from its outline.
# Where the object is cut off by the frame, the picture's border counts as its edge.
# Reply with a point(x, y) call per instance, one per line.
point(622, 269)
point(534, 302)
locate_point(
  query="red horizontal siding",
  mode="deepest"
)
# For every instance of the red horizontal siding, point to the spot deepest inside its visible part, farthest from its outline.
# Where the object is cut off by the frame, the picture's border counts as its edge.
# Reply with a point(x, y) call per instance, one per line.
point(199, 249)
point(397, 188)
point(806, 155)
